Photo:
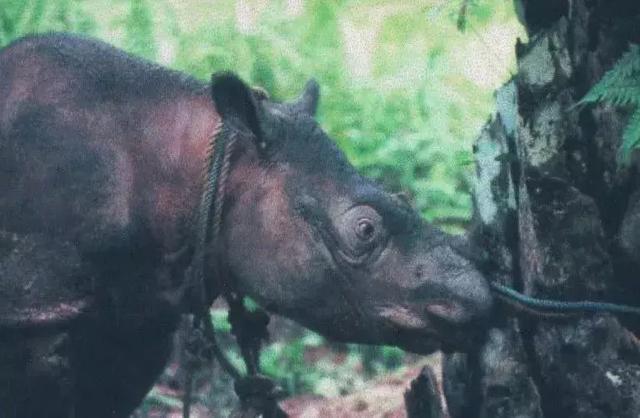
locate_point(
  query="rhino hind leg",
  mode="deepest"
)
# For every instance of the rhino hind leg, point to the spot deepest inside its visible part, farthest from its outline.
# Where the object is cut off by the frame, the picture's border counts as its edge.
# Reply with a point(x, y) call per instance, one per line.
point(54, 373)
point(59, 362)
point(36, 377)
point(41, 279)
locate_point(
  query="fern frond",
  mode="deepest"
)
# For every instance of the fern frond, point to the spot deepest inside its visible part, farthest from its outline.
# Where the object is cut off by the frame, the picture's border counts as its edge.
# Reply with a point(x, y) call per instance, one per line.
point(625, 73)
point(630, 137)
point(620, 86)
point(630, 62)
point(622, 95)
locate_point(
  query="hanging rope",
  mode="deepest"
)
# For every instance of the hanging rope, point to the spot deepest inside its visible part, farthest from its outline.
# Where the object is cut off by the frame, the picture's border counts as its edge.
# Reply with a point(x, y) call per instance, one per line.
point(258, 394)
point(549, 307)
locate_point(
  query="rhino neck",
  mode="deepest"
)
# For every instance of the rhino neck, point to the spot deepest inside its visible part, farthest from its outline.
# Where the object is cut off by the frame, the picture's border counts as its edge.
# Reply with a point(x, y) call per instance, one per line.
point(182, 132)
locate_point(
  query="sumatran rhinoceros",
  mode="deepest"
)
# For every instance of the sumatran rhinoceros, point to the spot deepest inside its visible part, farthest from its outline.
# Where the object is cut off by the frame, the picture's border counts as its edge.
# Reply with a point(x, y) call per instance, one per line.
point(101, 179)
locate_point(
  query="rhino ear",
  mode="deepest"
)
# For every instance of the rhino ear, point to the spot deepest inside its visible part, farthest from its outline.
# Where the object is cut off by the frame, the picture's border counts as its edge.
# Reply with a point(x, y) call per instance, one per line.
point(308, 100)
point(235, 101)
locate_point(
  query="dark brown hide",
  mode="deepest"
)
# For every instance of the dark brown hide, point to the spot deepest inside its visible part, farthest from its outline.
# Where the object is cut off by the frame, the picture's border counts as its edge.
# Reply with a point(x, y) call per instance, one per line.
point(102, 156)
point(104, 152)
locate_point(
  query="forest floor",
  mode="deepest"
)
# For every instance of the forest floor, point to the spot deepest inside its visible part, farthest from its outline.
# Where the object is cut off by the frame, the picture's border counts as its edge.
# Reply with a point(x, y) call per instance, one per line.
point(332, 381)
point(380, 398)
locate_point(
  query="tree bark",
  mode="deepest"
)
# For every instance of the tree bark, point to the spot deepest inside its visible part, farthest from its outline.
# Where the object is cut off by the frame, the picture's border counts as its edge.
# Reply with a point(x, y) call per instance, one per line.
point(557, 217)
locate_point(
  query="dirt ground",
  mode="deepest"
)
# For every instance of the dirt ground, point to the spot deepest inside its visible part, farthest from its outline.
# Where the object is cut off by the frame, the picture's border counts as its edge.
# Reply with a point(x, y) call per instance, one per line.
point(384, 398)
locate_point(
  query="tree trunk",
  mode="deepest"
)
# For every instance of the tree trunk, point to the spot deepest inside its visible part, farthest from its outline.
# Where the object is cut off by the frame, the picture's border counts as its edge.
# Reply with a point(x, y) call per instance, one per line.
point(557, 217)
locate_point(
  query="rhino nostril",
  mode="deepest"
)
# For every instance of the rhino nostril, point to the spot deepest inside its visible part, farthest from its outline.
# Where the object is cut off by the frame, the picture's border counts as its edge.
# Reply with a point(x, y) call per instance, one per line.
point(451, 313)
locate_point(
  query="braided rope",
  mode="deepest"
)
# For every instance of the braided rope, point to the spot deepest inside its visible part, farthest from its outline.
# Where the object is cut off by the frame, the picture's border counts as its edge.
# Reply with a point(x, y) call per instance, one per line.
point(222, 184)
point(560, 307)
point(201, 225)
point(208, 224)
point(204, 232)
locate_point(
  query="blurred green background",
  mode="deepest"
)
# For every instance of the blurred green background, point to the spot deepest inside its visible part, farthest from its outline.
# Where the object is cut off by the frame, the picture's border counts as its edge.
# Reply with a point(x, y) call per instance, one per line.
point(404, 91)
point(406, 87)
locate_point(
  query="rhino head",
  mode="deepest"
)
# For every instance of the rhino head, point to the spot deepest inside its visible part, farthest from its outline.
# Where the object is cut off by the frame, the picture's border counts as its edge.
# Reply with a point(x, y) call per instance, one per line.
point(308, 237)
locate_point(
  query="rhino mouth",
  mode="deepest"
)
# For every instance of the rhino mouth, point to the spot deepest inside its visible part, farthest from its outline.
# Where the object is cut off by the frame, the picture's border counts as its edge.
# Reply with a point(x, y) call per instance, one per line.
point(434, 327)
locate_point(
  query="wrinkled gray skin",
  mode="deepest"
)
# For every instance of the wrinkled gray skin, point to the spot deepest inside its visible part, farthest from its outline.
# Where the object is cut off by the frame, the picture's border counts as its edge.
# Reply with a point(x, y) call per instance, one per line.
point(103, 153)
point(348, 259)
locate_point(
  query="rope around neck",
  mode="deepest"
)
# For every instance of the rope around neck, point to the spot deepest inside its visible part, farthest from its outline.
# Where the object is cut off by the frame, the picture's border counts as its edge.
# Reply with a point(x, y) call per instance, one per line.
point(206, 228)
point(201, 296)
point(551, 307)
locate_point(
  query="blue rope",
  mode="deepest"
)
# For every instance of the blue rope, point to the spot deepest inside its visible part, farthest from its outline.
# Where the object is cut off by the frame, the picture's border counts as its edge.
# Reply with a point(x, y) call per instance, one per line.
point(561, 306)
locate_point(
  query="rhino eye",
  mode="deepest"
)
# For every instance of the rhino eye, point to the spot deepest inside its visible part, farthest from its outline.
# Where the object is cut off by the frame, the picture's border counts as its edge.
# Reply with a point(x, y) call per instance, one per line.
point(361, 230)
point(365, 230)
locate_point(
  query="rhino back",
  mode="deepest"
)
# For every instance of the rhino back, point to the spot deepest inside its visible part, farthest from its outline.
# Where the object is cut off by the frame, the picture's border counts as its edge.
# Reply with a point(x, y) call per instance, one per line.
point(80, 123)
point(92, 163)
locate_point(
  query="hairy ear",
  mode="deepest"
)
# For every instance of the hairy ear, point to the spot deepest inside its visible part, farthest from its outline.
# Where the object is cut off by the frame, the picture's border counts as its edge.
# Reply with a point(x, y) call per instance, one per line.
point(236, 102)
point(308, 100)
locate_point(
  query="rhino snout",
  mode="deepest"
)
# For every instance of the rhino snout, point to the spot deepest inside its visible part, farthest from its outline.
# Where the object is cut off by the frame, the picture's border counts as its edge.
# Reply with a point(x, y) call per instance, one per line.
point(456, 298)
point(467, 300)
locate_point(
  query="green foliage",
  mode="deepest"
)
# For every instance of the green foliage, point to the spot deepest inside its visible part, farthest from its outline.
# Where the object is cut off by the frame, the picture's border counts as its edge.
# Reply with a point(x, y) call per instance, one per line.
point(22, 17)
point(304, 365)
point(285, 363)
point(480, 10)
point(138, 25)
point(154, 398)
point(631, 135)
point(408, 121)
point(220, 320)
point(620, 86)
point(250, 304)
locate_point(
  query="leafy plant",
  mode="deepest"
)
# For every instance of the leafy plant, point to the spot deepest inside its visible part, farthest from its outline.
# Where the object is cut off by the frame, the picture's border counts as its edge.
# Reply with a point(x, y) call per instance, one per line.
point(408, 124)
point(620, 86)
point(139, 37)
point(23, 17)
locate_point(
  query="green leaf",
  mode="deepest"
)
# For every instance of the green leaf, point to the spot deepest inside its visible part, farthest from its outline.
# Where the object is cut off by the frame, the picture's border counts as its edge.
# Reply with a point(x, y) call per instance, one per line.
point(220, 320)
point(620, 86)
point(623, 75)
point(139, 31)
point(630, 137)
point(160, 399)
point(622, 94)
point(250, 304)
point(35, 18)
